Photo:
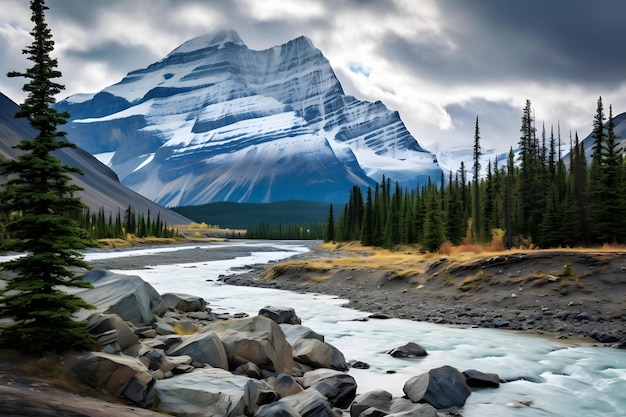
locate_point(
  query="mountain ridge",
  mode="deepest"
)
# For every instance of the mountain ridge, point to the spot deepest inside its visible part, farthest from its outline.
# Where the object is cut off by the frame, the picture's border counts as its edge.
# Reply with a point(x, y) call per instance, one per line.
point(101, 187)
point(215, 121)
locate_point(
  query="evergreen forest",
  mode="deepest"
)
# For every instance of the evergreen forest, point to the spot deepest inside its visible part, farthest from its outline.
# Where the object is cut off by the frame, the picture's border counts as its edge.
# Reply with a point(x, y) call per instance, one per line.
point(536, 199)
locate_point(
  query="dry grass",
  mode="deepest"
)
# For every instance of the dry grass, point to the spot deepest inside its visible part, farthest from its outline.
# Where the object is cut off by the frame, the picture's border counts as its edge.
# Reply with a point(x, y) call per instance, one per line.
point(46, 370)
point(473, 282)
point(404, 262)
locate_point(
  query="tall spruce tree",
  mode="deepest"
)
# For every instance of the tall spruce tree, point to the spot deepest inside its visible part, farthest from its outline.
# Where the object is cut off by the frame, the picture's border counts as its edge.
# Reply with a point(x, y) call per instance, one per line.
point(40, 199)
point(476, 220)
point(330, 226)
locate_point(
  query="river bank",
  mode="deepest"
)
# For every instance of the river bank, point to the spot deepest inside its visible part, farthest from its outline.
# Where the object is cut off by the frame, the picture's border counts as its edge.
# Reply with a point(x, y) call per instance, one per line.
point(380, 280)
point(570, 294)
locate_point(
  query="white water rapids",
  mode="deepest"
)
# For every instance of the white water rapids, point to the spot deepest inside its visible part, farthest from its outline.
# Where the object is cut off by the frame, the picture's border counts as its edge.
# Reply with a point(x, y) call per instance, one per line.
point(559, 379)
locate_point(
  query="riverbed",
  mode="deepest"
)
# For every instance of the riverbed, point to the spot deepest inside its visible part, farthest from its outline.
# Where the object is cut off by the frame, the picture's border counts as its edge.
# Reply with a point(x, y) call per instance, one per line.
point(548, 377)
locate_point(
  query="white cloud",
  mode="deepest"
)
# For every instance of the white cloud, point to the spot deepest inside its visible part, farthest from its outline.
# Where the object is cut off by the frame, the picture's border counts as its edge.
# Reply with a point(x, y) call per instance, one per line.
point(423, 58)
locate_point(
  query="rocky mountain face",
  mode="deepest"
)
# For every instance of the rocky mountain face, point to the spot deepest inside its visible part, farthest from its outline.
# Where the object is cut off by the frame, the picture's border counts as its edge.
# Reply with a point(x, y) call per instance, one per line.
point(216, 121)
point(102, 189)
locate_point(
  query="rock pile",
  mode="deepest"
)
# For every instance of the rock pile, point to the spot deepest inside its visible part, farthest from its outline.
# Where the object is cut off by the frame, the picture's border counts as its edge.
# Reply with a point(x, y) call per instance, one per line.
point(171, 353)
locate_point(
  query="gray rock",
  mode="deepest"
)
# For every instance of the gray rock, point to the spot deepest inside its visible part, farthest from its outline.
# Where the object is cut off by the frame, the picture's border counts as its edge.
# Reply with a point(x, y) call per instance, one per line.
point(314, 353)
point(120, 375)
point(375, 400)
point(401, 407)
point(359, 365)
point(163, 329)
point(255, 339)
point(129, 297)
point(410, 350)
point(208, 392)
point(295, 332)
point(205, 348)
point(442, 387)
point(339, 360)
point(277, 409)
point(310, 403)
point(479, 379)
point(380, 403)
point(338, 387)
point(158, 360)
point(604, 337)
point(105, 326)
point(184, 303)
point(284, 385)
point(280, 315)
point(248, 369)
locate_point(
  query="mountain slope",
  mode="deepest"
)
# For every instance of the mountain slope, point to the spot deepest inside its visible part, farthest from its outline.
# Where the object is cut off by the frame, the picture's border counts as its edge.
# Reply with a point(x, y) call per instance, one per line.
point(101, 186)
point(215, 121)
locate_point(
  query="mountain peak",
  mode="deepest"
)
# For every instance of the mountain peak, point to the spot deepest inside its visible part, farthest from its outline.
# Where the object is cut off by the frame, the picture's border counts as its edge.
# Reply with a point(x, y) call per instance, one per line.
point(210, 40)
point(216, 121)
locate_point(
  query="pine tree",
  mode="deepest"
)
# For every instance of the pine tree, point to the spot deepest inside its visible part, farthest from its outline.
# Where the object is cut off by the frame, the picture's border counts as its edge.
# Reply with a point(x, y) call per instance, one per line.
point(476, 220)
point(367, 229)
point(41, 199)
point(433, 222)
point(330, 226)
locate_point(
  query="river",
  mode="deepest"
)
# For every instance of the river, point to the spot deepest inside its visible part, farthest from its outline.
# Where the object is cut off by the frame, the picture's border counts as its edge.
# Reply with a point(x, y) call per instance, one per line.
point(557, 378)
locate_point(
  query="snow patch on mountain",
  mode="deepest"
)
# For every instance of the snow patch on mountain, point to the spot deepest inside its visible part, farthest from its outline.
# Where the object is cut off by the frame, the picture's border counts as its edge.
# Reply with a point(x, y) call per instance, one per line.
point(216, 121)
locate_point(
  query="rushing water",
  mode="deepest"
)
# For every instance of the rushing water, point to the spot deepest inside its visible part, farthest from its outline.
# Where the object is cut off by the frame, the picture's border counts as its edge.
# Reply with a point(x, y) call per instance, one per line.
point(559, 379)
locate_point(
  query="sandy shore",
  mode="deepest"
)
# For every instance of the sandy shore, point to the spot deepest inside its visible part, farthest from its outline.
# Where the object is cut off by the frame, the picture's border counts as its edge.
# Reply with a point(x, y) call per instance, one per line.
point(514, 291)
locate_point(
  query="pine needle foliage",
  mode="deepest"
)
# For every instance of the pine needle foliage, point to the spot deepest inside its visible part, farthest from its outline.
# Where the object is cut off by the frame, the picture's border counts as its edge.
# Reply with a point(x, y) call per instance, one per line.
point(38, 200)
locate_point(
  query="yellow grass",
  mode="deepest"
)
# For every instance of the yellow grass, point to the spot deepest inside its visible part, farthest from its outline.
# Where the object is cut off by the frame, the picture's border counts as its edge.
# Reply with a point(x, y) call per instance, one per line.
point(409, 261)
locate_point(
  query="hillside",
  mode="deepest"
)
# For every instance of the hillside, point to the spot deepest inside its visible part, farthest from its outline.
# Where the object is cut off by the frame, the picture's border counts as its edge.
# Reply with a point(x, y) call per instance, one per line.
point(102, 190)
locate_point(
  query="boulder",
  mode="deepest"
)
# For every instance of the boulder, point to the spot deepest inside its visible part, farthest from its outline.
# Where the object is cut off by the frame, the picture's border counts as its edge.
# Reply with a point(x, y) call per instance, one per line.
point(410, 350)
point(255, 339)
point(284, 385)
point(479, 379)
point(309, 403)
point(401, 407)
point(158, 360)
point(338, 387)
point(100, 325)
point(163, 329)
point(280, 315)
point(442, 387)
point(277, 409)
point(208, 392)
point(604, 337)
point(339, 360)
point(313, 352)
point(128, 296)
point(295, 332)
point(377, 399)
point(318, 354)
point(123, 376)
point(380, 403)
point(204, 348)
point(184, 303)
point(248, 369)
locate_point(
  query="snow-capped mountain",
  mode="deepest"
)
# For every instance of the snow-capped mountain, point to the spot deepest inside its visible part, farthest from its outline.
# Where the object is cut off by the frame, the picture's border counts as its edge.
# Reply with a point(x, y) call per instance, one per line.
point(588, 142)
point(216, 121)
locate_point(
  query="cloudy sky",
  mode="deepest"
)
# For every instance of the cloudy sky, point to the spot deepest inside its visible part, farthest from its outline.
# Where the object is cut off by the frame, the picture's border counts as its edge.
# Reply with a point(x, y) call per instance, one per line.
point(440, 63)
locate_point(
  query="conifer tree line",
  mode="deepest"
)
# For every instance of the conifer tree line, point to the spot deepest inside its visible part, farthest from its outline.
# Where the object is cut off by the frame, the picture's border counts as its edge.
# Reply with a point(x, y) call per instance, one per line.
point(289, 231)
point(100, 226)
point(539, 198)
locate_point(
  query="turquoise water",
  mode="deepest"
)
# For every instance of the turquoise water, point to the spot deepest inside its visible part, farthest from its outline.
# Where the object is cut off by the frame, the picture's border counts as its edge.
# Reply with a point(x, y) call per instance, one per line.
point(560, 379)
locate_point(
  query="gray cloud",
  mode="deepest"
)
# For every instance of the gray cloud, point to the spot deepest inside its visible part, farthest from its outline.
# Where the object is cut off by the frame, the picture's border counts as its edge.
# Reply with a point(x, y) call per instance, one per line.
point(438, 62)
